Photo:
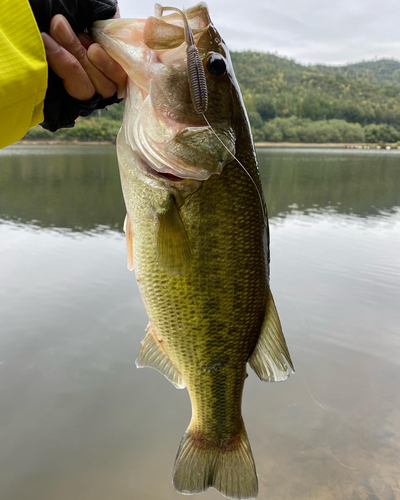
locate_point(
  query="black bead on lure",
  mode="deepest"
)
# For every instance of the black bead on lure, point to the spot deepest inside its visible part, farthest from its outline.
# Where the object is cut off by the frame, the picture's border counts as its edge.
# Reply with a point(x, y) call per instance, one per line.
point(196, 75)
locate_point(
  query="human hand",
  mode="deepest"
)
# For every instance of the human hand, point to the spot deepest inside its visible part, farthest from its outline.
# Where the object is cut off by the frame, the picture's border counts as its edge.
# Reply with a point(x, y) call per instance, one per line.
point(83, 66)
point(82, 77)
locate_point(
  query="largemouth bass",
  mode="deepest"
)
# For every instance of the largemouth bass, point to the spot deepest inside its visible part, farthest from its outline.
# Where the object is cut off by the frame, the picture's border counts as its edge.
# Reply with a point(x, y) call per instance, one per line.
point(197, 235)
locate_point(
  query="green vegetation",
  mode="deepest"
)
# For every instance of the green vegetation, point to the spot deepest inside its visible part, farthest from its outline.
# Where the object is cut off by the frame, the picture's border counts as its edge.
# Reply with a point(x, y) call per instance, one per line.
point(82, 192)
point(291, 102)
point(353, 103)
point(295, 129)
point(95, 128)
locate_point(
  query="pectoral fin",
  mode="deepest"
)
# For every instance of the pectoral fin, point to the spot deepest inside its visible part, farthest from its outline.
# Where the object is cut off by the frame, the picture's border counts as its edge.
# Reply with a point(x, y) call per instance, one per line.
point(172, 241)
point(271, 359)
point(129, 241)
point(152, 355)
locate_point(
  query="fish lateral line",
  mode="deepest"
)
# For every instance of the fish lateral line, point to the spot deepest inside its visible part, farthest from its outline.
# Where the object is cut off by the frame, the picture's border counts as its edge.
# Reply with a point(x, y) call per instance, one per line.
point(241, 165)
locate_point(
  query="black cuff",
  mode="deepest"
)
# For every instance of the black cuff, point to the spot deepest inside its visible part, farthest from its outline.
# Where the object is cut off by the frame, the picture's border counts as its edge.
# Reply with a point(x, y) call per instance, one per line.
point(79, 13)
point(61, 110)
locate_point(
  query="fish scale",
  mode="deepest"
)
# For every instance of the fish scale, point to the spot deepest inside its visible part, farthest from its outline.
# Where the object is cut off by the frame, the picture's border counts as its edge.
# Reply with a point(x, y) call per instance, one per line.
point(211, 325)
point(197, 234)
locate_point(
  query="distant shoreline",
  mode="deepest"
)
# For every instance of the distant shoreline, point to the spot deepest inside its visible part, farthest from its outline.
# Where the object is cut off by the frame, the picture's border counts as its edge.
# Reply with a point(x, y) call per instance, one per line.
point(315, 145)
point(326, 145)
point(308, 145)
point(60, 143)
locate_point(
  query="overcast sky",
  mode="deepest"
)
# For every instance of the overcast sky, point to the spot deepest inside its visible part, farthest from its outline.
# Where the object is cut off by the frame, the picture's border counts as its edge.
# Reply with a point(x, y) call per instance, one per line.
point(309, 31)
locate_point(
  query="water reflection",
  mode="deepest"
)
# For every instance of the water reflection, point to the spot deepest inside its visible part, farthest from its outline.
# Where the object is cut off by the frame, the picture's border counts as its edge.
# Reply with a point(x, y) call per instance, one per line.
point(357, 183)
point(80, 191)
point(79, 421)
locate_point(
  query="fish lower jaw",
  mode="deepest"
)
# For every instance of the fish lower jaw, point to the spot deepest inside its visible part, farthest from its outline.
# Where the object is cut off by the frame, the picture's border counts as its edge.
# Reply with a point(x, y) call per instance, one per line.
point(153, 167)
point(156, 165)
point(163, 175)
point(162, 165)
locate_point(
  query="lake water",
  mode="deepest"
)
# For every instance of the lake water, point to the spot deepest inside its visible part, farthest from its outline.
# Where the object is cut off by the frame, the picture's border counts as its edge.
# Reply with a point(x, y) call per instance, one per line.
point(78, 421)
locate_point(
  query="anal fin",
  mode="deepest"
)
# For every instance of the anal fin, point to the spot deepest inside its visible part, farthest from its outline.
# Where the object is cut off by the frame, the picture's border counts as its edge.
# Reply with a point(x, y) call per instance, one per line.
point(129, 241)
point(271, 359)
point(152, 355)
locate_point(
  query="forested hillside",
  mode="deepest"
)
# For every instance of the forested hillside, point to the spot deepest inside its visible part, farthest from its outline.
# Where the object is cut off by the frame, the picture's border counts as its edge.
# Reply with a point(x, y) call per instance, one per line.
point(288, 101)
point(366, 93)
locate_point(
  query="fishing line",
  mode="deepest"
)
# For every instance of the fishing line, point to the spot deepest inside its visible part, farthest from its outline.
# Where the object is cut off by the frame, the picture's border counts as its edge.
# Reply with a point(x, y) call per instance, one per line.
point(308, 326)
point(312, 397)
point(262, 478)
point(308, 389)
point(239, 162)
point(308, 337)
point(198, 84)
point(199, 94)
point(332, 414)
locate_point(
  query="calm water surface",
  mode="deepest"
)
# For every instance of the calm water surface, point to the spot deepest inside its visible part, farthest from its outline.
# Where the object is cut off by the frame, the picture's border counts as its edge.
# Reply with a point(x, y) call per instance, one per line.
point(79, 421)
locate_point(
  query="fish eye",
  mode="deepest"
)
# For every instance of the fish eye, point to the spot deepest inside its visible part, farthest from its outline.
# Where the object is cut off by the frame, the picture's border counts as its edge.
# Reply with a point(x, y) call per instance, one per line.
point(216, 64)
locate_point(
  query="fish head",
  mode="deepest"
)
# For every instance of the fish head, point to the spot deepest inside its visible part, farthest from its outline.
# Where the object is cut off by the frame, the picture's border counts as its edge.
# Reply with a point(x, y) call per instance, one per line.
point(161, 121)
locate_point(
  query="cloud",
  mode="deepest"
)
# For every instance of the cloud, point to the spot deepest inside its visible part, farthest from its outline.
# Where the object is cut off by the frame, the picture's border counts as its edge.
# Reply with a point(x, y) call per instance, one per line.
point(309, 31)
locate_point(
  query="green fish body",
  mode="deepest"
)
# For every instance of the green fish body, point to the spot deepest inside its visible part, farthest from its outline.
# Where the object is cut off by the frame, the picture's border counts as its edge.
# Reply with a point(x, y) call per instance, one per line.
point(197, 236)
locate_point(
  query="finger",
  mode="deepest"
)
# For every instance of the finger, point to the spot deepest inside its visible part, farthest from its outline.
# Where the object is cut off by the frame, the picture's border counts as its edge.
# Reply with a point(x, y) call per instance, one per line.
point(85, 39)
point(62, 32)
point(104, 63)
point(66, 66)
point(110, 68)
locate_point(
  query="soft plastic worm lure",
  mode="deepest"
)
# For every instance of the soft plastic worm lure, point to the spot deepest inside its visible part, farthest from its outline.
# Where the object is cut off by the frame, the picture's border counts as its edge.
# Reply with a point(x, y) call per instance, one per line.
point(198, 84)
point(196, 75)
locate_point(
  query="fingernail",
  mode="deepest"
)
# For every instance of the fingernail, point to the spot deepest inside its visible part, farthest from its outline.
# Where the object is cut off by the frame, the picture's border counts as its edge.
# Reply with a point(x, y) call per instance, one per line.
point(49, 44)
point(63, 30)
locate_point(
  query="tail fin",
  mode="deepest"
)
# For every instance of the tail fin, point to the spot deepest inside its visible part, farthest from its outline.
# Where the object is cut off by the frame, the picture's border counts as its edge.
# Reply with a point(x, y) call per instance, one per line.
point(230, 470)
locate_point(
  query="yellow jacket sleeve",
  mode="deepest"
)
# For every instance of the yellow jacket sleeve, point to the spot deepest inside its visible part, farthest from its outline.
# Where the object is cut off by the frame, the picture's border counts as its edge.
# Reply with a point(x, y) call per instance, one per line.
point(23, 71)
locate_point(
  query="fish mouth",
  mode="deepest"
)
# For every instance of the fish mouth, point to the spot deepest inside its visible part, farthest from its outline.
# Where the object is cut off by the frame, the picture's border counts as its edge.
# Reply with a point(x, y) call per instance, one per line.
point(163, 175)
point(173, 154)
